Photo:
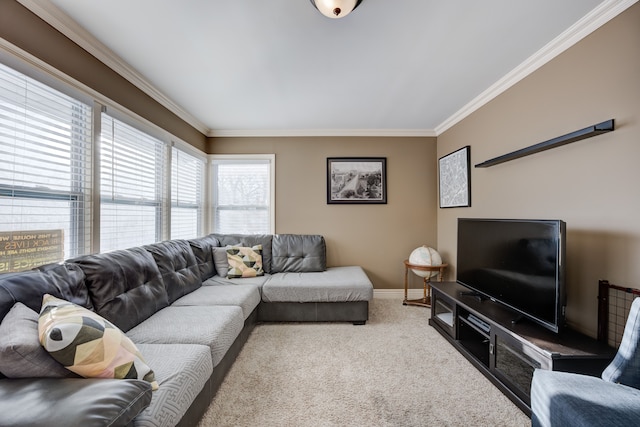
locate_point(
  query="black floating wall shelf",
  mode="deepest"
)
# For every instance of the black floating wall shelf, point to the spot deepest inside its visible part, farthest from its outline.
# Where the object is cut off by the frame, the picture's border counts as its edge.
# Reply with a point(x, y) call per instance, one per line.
point(587, 132)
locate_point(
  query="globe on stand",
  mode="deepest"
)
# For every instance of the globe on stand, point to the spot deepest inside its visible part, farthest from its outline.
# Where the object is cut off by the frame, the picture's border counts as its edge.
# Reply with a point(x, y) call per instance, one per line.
point(426, 256)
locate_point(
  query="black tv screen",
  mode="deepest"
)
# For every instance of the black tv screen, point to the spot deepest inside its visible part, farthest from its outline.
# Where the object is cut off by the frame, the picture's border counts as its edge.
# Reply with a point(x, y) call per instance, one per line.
point(519, 263)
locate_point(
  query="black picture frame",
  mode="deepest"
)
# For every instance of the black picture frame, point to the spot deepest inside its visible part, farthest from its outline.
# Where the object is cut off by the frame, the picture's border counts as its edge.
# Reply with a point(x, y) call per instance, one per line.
point(454, 178)
point(356, 180)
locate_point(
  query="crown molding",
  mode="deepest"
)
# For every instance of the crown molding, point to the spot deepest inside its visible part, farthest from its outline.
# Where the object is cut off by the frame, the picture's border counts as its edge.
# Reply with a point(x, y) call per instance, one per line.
point(599, 16)
point(321, 132)
point(48, 12)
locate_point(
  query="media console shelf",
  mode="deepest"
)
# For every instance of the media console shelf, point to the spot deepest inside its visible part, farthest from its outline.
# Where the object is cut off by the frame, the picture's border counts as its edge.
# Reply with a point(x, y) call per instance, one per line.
point(507, 353)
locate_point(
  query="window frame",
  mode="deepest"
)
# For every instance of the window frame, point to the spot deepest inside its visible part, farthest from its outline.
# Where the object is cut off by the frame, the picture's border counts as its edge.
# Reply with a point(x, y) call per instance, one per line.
point(79, 193)
point(269, 158)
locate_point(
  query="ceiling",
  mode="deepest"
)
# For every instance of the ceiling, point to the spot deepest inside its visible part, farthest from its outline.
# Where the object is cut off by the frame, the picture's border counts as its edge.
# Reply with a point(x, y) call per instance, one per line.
point(279, 67)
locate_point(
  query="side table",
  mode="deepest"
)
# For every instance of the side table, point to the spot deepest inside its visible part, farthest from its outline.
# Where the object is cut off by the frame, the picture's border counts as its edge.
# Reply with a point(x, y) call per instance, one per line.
point(425, 301)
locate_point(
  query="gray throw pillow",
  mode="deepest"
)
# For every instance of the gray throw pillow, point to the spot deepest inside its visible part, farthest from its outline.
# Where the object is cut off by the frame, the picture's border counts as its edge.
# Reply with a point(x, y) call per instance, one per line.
point(21, 355)
point(220, 260)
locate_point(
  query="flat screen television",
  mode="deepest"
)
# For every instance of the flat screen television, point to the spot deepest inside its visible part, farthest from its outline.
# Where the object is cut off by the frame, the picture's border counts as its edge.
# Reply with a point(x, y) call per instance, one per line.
point(518, 263)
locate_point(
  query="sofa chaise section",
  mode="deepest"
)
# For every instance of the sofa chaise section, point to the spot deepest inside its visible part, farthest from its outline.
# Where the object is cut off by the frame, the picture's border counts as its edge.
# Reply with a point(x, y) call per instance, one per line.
point(297, 285)
point(301, 287)
point(338, 294)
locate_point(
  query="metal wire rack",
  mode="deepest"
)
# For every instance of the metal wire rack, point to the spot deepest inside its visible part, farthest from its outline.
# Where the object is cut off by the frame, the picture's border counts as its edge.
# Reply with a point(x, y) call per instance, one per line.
point(614, 303)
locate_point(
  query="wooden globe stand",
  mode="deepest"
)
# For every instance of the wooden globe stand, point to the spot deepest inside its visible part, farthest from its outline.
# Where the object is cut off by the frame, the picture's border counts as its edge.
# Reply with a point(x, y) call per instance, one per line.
point(425, 301)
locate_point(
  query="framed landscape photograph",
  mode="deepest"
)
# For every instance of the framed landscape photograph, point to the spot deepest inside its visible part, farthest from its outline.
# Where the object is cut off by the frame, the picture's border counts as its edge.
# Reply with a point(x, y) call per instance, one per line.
point(356, 180)
point(455, 179)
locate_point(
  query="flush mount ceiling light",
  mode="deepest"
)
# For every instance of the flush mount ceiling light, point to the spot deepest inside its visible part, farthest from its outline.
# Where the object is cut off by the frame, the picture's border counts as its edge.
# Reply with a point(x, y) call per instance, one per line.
point(335, 8)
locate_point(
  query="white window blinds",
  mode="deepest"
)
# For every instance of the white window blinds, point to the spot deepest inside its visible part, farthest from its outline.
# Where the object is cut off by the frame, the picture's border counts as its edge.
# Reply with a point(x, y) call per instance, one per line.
point(52, 208)
point(242, 190)
point(187, 187)
point(132, 168)
point(45, 175)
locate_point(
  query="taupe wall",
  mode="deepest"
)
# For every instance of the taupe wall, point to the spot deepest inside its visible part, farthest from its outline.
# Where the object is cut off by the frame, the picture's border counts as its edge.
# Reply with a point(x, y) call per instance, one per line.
point(25, 30)
point(377, 237)
point(592, 184)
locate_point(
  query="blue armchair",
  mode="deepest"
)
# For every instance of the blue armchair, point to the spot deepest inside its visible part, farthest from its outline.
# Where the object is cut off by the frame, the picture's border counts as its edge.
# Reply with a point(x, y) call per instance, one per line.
point(566, 399)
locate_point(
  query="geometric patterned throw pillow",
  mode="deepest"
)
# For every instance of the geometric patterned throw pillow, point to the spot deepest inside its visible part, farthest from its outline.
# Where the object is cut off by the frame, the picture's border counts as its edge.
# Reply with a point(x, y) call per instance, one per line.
point(244, 262)
point(89, 345)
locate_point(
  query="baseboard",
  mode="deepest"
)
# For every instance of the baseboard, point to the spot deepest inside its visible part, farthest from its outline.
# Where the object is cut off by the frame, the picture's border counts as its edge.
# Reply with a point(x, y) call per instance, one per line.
point(397, 293)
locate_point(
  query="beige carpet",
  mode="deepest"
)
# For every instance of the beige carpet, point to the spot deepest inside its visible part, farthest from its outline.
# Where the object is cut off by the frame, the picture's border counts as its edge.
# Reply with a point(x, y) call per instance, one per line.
point(394, 371)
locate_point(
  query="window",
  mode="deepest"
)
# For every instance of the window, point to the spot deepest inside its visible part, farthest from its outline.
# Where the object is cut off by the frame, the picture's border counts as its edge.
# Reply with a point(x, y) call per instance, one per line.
point(243, 194)
point(187, 181)
point(132, 167)
point(45, 173)
point(78, 179)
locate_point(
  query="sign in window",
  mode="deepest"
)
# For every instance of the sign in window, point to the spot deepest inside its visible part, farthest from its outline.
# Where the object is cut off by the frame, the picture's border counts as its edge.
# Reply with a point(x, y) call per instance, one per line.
point(24, 250)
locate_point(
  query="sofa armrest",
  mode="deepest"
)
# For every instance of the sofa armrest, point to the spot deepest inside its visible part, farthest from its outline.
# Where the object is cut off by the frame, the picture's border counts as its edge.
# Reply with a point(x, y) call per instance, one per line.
point(566, 399)
point(36, 402)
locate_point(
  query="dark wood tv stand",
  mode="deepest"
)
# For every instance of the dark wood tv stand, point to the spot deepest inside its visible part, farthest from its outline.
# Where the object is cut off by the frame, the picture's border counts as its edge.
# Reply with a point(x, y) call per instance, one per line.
point(507, 352)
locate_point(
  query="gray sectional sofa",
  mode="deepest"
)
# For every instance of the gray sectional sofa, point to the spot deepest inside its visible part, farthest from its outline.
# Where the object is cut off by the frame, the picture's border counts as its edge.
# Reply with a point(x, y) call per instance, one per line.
point(189, 321)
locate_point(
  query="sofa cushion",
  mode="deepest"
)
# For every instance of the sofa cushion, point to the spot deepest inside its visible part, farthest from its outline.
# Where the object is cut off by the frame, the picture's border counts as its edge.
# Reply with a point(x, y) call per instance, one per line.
point(203, 250)
point(298, 253)
point(61, 280)
point(178, 267)
point(245, 296)
point(214, 326)
point(45, 402)
point(126, 286)
point(182, 370)
point(89, 345)
point(250, 240)
point(336, 284)
point(244, 262)
point(21, 355)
